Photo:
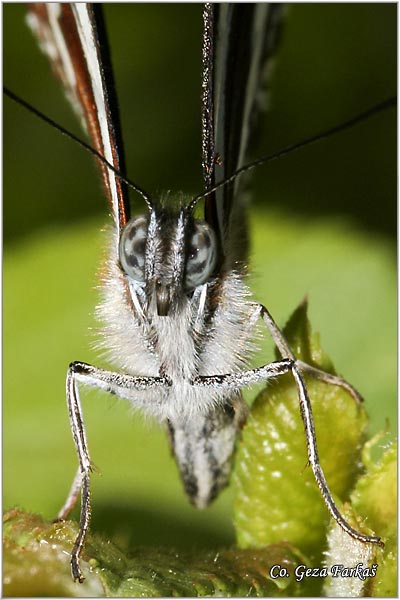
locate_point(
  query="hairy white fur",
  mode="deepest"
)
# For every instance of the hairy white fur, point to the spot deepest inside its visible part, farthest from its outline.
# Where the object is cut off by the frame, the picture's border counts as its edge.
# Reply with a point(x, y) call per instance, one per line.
point(142, 347)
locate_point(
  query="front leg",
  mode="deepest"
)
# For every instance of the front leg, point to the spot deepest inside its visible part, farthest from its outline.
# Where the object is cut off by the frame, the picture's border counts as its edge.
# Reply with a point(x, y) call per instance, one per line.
point(298, 368)
point(235, 381)
point(121, 385)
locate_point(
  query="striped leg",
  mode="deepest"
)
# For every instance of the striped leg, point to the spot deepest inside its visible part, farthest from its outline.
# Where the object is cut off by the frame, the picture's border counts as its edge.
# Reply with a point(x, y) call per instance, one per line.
point(298, 369)
point(123, 386)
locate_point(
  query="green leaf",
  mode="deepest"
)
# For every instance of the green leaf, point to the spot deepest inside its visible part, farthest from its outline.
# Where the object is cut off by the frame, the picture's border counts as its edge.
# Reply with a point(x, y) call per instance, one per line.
point(36, 563)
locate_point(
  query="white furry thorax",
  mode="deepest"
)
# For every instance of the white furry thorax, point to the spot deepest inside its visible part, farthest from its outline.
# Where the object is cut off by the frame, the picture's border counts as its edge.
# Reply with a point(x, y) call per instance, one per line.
point(170, 343)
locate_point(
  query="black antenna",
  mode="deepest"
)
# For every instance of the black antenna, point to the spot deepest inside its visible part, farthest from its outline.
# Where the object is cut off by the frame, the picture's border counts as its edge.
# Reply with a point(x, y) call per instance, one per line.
point(370, 112)
point(77, 140)
point(377, 108)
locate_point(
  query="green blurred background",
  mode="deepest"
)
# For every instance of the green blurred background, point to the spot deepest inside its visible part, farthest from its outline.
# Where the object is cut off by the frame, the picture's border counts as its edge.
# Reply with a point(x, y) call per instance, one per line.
point(323, 223)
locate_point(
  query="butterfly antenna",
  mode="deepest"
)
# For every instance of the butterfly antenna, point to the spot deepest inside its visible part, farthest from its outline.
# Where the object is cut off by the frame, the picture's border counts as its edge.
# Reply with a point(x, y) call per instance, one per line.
point(377, 108)
point(78, 141)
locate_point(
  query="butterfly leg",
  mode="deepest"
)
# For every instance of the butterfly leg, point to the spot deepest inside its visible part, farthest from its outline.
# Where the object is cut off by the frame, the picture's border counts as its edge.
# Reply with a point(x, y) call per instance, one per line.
point(123, 386)
point(234, 381)
point(79, 435)
point(298, 368)
point(72, 497)
point(331, 379)
point(286, 352)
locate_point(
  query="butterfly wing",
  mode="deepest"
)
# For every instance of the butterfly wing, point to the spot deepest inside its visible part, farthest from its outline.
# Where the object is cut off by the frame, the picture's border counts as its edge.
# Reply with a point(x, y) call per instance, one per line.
point(238, 41)
point(74, 39)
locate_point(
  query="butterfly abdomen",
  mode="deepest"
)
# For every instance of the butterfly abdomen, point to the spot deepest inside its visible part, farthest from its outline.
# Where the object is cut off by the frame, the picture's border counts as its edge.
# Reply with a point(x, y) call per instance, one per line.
point(204, 449)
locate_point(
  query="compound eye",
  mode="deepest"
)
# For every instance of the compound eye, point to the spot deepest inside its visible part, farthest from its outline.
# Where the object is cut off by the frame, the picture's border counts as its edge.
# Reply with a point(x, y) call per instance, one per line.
point(132, 248)
point(202, 255)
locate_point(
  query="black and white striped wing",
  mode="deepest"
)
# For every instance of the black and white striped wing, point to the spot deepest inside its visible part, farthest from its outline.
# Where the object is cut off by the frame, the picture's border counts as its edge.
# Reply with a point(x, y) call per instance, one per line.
point(73, 38)
point(238, 42)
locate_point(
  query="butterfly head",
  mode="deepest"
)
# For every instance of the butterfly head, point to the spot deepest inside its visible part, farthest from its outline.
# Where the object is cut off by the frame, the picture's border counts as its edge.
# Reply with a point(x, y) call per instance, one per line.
point(168, 254)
